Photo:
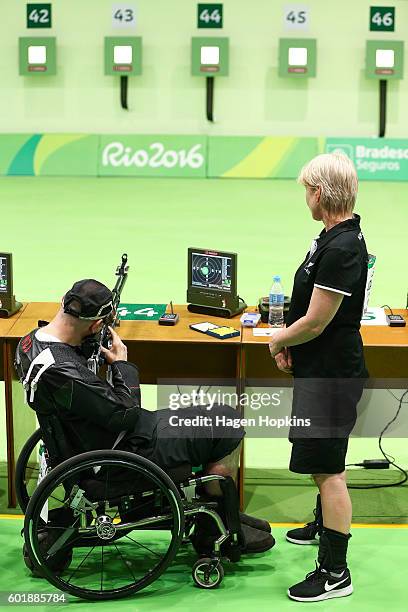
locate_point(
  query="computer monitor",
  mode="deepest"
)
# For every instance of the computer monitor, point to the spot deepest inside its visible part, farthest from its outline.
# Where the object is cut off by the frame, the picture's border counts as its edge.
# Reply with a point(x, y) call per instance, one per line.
point(4, 274)
point(8, 304)
point(212, 282)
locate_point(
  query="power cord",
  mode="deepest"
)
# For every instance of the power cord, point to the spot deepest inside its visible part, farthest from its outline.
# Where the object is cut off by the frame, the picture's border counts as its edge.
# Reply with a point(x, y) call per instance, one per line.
point(389, 458)
point(389, 308)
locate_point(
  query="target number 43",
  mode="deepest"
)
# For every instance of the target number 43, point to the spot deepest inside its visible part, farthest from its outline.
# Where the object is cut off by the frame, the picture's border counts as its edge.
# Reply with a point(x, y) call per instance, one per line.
point(123, 16)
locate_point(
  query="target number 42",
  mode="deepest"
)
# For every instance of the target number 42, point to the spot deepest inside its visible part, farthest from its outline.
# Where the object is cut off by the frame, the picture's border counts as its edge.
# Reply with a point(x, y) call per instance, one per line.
point(38, 15)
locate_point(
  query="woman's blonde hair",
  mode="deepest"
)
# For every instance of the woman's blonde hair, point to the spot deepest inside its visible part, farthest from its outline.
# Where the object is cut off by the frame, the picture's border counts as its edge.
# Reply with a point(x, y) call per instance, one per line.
point(336, 176)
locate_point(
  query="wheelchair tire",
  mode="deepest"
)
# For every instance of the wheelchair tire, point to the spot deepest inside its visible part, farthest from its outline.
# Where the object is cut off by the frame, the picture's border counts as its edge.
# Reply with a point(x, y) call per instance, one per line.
point(20, 478)
point(206, 575)
point(34, 524)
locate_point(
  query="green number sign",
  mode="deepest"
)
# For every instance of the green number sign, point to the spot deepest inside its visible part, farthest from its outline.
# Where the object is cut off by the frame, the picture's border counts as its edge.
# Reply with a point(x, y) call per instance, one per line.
point(38, 15)
point(209, 16)
point(382, 18)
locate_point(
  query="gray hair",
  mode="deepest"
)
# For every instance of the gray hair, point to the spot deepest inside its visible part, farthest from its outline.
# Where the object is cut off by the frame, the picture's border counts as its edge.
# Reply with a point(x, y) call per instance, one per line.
point(336, 176)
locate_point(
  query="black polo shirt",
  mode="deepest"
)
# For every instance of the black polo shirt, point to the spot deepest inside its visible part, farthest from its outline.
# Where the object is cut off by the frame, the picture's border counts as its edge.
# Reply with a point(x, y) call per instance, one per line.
point(337, 261)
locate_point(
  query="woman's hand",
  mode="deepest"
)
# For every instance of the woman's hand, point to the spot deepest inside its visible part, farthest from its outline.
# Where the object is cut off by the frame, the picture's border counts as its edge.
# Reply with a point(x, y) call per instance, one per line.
point(283, 360)
point(275, 345)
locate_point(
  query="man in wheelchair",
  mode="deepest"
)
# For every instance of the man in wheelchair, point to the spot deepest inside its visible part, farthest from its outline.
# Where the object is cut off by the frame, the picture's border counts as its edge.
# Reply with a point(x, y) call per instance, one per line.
point(96, 415)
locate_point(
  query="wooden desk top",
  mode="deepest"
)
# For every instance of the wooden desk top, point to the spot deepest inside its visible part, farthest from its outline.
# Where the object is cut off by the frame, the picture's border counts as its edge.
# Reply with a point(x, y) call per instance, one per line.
point(7, 324)
point(28, 319)
point(373, 335)
point(150, 331)
point(133, 331)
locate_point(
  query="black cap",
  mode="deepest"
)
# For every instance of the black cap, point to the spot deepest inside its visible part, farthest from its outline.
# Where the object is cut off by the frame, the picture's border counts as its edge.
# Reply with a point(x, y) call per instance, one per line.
point(88, 299)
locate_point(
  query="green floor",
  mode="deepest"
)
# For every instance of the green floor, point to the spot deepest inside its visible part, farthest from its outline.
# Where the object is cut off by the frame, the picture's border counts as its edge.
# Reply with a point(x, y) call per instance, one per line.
point(378, 557)
point(60, 229)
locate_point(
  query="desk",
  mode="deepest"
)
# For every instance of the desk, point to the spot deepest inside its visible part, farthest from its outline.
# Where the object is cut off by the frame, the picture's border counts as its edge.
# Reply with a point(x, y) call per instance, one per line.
point(6, 374)
point(162, 352)
point(385, 351)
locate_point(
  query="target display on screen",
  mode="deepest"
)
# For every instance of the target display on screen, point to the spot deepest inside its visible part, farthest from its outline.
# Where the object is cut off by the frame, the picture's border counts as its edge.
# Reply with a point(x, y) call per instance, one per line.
point(211, 271)
point(3, 274)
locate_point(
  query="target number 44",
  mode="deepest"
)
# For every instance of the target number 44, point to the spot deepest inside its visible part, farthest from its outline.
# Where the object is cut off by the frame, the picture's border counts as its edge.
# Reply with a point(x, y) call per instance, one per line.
point(209, 16)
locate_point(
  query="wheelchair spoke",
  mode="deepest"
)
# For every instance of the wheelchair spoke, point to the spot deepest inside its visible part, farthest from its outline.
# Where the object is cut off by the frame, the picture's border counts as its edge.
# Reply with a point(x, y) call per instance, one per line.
point(77, 568)
point(124, 562)
point(102, 550)
point(143, 546)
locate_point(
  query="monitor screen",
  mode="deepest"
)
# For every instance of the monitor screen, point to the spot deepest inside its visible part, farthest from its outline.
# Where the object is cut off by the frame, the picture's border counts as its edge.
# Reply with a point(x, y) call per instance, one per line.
point(211, 270)
point(3, 274)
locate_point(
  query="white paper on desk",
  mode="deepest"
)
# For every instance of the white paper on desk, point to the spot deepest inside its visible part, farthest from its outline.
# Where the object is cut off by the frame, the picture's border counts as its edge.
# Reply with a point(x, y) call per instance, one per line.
point(264, 331)
point(374, 316)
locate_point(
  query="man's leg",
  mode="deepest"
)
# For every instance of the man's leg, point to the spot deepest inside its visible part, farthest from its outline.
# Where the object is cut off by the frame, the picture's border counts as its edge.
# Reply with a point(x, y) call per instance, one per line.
point(228, 466)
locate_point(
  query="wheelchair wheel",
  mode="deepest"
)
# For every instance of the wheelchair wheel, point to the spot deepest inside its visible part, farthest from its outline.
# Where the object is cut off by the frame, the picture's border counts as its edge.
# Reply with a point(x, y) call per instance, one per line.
point(207, 573)
point(120, 517)
point(27, 470)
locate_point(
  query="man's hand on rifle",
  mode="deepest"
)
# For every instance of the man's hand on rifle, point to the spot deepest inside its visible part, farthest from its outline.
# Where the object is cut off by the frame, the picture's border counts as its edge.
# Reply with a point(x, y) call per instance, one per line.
point(117, 352)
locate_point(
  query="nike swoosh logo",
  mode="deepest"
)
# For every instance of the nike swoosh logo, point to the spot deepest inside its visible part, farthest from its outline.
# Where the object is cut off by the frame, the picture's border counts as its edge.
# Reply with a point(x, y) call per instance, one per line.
point(329, 587)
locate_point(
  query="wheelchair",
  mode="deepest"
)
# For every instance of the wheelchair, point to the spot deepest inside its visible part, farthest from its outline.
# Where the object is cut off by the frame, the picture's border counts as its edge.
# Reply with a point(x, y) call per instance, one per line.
point(105, 524)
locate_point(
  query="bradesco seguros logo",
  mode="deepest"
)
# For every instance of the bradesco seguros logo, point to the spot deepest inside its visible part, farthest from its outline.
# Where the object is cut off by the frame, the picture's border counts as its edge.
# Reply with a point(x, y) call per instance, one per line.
point(181, 155)
point(346, 149)
point(376, 158)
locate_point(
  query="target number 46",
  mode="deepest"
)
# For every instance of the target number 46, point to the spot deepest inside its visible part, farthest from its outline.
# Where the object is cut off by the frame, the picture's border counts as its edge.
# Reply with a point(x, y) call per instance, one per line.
point(382, 18)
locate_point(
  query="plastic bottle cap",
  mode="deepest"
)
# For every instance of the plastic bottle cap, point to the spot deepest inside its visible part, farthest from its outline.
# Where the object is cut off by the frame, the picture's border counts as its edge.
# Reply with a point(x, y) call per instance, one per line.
point(277, 279)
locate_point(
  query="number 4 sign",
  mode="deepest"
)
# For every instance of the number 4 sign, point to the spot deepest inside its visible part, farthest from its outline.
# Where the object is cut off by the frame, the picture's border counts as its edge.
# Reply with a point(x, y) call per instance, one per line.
point(296, 17)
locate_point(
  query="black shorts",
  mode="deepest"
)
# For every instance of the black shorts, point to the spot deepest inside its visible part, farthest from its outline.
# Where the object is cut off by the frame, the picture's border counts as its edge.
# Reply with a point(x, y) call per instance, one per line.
point(318, 455)
point(195, 436)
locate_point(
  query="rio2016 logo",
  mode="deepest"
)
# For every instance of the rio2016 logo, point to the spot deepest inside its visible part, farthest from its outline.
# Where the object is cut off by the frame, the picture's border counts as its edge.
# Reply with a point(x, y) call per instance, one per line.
point(117, 154)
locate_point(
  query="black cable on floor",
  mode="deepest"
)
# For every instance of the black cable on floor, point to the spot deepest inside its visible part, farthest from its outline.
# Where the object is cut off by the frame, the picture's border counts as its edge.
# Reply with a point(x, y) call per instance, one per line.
point(388, 458)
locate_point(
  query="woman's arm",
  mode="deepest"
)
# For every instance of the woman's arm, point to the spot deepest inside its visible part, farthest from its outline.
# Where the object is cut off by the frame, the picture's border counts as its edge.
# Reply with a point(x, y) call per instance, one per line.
point(322, 308)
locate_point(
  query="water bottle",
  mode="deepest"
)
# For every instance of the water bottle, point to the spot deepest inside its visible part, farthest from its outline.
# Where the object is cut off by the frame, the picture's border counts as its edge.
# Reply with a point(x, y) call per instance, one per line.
point(276, 303)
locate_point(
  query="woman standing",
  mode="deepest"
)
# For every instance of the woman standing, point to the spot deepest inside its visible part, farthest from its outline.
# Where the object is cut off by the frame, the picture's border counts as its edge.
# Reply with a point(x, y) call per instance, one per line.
point(322, 346)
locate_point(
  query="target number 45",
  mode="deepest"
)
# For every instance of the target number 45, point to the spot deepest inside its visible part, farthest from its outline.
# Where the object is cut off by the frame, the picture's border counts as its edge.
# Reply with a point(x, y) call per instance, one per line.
point(296, 17)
